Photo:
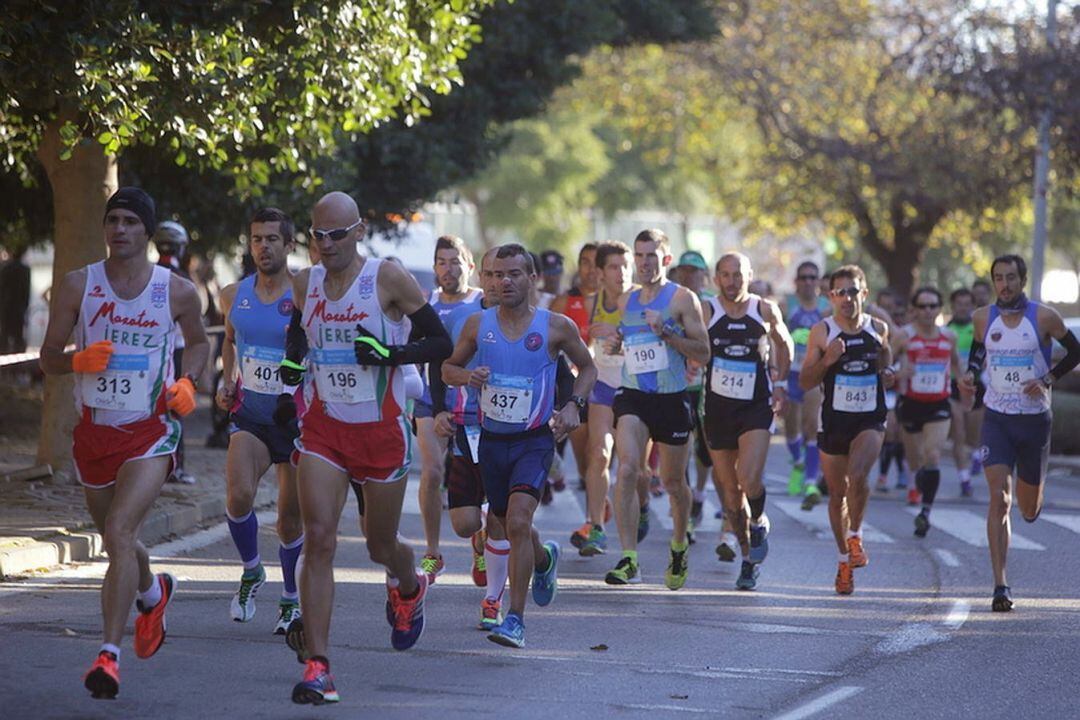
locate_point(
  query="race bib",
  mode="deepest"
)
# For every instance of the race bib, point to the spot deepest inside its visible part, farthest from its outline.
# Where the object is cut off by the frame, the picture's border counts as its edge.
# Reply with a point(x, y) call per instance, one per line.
point(855, 393)
point(472, 435)
point(123, 385)
point(603, 358)
point(259, 370)
point(644, 353)
point(733, 378)
point(339, 379)
point(1008, 373)
point(507, 398)
point(930, 378)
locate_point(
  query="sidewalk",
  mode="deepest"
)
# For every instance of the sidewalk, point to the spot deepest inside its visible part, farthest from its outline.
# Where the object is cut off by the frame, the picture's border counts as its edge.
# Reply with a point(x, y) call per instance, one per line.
point(44, 524)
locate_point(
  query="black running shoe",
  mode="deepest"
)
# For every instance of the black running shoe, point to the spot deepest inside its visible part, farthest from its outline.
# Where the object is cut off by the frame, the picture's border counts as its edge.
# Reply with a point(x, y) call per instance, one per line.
point(1002, 599)
point(294, 638)
point(922, 524)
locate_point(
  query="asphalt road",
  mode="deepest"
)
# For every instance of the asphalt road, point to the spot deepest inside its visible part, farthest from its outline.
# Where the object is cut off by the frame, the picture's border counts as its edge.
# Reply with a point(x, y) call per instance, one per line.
point(917, 639)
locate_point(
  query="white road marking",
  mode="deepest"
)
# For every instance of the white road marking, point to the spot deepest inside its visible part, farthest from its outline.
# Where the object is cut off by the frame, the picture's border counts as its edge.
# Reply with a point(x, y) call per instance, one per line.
point(910, 636)
point(958, 614)
point(947, 557)
point(817, 520)
point(815, 706)
point(971, 528)
point(1069, 522)
point(668, 708)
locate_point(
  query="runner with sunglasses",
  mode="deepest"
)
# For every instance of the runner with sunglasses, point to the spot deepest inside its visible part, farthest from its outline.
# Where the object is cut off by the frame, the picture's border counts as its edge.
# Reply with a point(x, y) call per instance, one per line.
point(927, 359)
point(848, 355)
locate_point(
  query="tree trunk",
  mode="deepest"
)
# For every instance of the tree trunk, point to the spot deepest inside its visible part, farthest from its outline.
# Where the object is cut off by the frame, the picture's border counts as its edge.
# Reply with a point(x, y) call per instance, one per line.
point(486, 240)
point(902, 264)
point(80, 185)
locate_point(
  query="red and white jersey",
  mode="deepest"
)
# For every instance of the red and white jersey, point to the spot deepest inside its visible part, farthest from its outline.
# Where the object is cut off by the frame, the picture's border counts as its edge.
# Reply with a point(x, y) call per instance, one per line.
point(132, 387)
point(349, 392)
point(930, 360)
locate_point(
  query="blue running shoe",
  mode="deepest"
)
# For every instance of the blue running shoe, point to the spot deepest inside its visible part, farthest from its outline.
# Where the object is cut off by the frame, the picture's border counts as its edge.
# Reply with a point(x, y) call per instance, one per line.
point(759, 539)
point(406, 615)
point(545, 584)
point(643, 523)
point(317, 687)
point(510, 632)
point(747, 576)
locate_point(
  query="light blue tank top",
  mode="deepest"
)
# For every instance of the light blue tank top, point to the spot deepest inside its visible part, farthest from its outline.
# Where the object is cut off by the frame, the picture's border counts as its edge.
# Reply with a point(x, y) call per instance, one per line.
point(520, 394)
point(260, 346)
point(644, 349)
point(450, 314)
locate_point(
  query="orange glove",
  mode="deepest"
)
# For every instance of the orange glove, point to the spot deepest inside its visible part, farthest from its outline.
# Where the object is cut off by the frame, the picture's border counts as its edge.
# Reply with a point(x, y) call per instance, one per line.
point(94, 358)
point(180, 397)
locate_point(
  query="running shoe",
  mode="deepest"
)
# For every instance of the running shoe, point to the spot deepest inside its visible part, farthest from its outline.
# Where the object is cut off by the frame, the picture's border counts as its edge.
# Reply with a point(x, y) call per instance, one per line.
point(882, 484)
point(966, 490)
point(479, 564)
point(725, 551)
point(643, 523)
point(579, 537)
point(103, 677)
point(433, 566)
point(1002, 599)
point(795, 479)
point(317, 686)
point(242, 608)
point(845, 579)
point(748, 576)
point(690, 539)
point(812, 498)
point(596, 544)
point(510, 632)
point(489, 614)
point(545, 583)
point(697, 509)
point(150, 625)
point(288, 610)
point(294, 638)
point(759, 539)
point(677, 570)
point(407, 614)
point(856, 554)
point(626, 572)
point(913, 496)
point(922, 524)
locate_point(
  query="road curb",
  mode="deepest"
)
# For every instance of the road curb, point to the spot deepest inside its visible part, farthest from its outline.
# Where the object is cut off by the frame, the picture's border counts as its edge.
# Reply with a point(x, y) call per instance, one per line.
point(80, 546)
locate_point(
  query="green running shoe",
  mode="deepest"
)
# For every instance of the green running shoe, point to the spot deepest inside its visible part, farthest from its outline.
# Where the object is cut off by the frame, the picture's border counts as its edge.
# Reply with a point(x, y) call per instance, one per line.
point(288, 610)
point(677, 570)
point(625, 572)
point(242, 607)
point(812, 497)
point(596, 544)
point(795, 479)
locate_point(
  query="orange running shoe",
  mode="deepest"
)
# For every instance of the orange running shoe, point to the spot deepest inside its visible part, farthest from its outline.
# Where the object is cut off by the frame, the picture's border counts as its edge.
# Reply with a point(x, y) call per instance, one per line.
point(913, 496)
point(103, 677)
point(858, 556)
point(579, 536)
point(489, 614)
point(150, 624)
point(845, 579)
point(479, 564)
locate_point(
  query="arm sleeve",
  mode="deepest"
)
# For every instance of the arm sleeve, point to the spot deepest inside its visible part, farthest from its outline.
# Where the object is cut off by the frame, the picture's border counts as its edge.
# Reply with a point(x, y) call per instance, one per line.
point(1072, 356)
point(432, 344)
point(976, 357)
point(296, 349)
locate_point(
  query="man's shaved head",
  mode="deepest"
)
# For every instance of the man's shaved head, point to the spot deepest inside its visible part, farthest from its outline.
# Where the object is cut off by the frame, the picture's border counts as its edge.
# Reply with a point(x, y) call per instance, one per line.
point(334, 210)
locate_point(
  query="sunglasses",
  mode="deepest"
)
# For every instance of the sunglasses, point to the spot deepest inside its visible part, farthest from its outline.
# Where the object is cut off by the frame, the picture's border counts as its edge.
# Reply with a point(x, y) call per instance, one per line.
point(851, 292)
point(808, 278)
point(928, 306)
point(335, 235)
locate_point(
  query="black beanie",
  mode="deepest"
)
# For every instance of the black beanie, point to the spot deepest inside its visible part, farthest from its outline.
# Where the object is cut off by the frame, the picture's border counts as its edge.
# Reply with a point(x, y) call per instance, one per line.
point(138, 202)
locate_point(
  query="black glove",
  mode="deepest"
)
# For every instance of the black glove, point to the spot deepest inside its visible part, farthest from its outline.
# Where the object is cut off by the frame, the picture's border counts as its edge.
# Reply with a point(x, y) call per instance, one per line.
point(285, 410)
point(371, 351)
point(291, 373)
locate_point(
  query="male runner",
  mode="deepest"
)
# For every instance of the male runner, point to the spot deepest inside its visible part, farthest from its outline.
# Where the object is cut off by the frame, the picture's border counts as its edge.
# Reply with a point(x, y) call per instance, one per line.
point(848, 355)
point(351, 311)
point(516, 345)
point(1013, 340)
point(802, 409)
point(257, 311)
point(741, 401)
point(891, 308)
point(982, 293)
point(616, 275)
point(927, 358)
point(966, 424)
point(661, 328)
point(453, 299)
point(123, 311)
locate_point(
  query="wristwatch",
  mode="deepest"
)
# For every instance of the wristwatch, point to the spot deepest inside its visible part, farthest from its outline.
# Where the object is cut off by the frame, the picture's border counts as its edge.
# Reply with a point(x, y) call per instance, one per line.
point(1047, 380)
point(579, 401)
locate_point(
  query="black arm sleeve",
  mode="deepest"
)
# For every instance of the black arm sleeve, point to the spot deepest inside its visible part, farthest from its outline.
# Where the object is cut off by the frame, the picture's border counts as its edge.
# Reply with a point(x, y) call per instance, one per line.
point(976, 357)
point(433, 345)
point(564, 382)
point(1072, 356)
point(296, 348)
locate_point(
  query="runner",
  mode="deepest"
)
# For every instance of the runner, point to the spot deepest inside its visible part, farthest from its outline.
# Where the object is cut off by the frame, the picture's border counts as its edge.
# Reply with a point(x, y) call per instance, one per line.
point(927, 355)
point(741, 401)
point(1013, 339)
point(123, 311)
point(966, 424)
point(848, 355)
point(465, 485)
point(802, 409)
point(889, 307)
point(257, 311)
point(661, 328)
point(453, 299)
point(616, 274)
point(355, 427)
point(515, 346)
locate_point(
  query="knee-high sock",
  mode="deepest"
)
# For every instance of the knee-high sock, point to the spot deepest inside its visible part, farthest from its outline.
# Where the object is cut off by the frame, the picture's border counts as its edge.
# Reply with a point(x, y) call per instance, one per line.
point(888, 449)
point(245, 535)
point(289, 556)
point(813, 462)
point(931, 480)
point(757, 506)
point(497, 557)
point(795, 448)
